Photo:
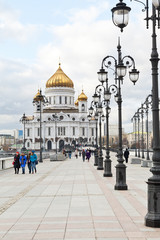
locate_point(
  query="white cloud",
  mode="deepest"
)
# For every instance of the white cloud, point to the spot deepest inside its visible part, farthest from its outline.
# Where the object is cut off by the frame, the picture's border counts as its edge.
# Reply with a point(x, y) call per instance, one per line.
point(12, 28)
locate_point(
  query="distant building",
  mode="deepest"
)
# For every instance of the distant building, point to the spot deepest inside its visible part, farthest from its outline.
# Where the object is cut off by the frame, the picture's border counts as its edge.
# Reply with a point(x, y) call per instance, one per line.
point(6, 140)
point(131, 140)
point(113, 134)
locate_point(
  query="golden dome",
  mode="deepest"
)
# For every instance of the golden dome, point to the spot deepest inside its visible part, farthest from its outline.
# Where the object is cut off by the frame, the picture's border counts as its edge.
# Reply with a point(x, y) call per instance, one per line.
point(36, 97)
point(82, 97)
point(76, 103)
point(59, 79)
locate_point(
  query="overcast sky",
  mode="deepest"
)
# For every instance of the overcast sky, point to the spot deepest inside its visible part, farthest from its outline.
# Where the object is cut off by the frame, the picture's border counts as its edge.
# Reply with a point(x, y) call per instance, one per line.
point(35, 33)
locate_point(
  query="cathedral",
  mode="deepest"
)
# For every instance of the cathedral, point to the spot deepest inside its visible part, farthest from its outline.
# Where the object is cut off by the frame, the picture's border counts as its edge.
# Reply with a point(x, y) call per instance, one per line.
point(62, 121)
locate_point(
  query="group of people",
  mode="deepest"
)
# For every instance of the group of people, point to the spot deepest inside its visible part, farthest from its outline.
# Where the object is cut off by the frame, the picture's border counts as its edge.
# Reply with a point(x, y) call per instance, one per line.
point(86, 154)
point(20, 161)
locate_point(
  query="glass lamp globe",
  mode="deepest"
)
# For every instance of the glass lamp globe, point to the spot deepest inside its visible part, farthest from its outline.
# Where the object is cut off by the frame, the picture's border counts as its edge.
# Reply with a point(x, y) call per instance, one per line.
point(121, 70)
point(156, 3)
point(134, 75)
point(102, 75)
point(96, 98)
point(120, 15)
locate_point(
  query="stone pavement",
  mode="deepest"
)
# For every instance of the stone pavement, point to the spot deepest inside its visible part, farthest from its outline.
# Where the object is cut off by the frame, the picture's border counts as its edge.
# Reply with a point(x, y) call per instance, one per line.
point(72, 200)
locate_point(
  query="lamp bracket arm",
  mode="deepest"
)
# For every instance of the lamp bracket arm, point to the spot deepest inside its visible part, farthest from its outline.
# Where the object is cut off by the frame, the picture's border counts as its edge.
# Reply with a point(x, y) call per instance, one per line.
point(100, 89)
point(106, 63)
point(113, 89)
point(128, 63)
point(145, 6)
point(105, 103)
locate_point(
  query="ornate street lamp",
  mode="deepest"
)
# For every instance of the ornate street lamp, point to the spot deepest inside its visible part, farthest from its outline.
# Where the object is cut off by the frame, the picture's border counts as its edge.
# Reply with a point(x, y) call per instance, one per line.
point(40, 100)
point(147, 103)
point(103, 78)
point(138, 118)
point(141, 112)
point(55, 119)
point(95, 115)
point(97, 103)
point(24, 120)
point(134, 120)
point(120, 67)
point(152, 218)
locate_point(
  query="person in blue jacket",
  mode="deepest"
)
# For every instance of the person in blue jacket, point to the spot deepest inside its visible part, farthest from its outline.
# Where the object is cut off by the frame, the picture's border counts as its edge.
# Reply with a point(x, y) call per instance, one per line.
point(33, 159)
point(23, 161)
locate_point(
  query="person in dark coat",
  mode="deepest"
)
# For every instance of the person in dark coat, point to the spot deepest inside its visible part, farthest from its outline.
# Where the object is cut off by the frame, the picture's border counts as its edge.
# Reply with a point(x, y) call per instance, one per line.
point(83, 155)
point(16, 163)
point(29, 162)
point(126, 155)
point(88, 155)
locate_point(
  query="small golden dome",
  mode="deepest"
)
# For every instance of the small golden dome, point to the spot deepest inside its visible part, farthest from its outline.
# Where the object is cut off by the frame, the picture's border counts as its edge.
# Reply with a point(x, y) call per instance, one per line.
point(59, 79)
point(82, 97)
point(76, 103)
point(36, 97)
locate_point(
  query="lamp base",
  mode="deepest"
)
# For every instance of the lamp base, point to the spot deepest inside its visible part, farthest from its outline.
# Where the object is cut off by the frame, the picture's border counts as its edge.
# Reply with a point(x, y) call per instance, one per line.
point(107, 175)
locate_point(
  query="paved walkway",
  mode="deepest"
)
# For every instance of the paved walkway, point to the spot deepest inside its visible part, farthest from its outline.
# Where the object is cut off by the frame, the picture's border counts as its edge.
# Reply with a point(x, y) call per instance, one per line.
point(72, 200)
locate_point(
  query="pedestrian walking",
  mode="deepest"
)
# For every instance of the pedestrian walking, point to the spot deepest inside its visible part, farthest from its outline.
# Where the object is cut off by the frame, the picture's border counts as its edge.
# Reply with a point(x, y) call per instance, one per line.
point(69, 154)
point(33, 159)
point(29, 162)
point(76, 153)
point(83, 155)
point(88, 155)
point(126, 155)
point(23, 161)
point(16, 163)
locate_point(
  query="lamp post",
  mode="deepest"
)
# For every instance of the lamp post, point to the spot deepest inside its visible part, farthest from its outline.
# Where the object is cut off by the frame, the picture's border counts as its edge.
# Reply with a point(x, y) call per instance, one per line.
point(24, 120)
point(40, 100)
point(152, 218)
point(98, 105)
point(138, 120)
point(134, 120)
point(91, 109)
point(147, 102)
point(141, 112)
point(107, 162)
point(55, 119)
point(108, 90)
point(120, 69)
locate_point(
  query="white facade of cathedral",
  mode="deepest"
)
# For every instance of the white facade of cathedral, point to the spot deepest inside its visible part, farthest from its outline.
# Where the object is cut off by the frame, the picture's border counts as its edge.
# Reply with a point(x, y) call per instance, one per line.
point(72, 126)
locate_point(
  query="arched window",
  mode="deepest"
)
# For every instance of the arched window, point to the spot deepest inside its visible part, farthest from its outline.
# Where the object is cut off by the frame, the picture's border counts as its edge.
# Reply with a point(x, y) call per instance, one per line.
point(60, 100)
point(83, 107)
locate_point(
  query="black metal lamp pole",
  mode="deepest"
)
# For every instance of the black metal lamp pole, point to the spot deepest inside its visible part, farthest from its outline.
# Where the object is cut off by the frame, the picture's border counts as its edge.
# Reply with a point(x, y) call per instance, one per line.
point(96, 150)
point(134, 120)
point(142, 124)
point(138, 117)
point(55, 119)
point(107, 162)
point(24, 120)
point(147, 157)
point(148, 103)
point(103, 78)
point(39, 100)
point(120, 167)
point(99, 109)
point(91, 110)
point(100, 158)
point(120, 71)
point(152, 218)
